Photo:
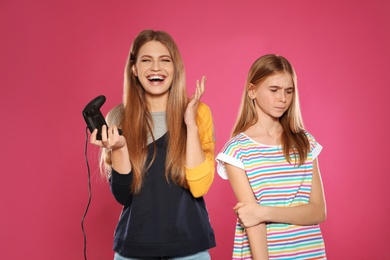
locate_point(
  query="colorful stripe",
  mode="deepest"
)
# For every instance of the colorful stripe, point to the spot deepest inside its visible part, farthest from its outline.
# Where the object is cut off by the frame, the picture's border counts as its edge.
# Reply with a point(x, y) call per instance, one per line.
point(275, 182)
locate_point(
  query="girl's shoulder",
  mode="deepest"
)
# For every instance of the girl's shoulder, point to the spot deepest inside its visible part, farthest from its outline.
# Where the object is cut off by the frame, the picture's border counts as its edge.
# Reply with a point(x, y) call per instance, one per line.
point(315, 147)
point(237, 141)
point(310, 137)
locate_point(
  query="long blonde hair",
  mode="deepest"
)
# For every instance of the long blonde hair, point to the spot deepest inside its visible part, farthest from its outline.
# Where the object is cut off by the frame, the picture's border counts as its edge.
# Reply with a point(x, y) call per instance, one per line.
point(136, 121)
point(294, 140)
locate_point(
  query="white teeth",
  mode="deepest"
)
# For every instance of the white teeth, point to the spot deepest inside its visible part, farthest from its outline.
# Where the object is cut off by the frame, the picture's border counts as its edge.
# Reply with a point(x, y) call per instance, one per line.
point(155, 77)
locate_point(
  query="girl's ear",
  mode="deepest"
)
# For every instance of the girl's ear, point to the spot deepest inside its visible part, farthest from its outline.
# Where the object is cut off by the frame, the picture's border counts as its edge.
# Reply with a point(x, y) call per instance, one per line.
point(251, 91)
point(134, 70)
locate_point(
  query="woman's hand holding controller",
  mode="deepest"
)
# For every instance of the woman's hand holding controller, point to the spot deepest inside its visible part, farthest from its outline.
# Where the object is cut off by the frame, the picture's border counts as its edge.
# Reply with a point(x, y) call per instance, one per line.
point(111, 139)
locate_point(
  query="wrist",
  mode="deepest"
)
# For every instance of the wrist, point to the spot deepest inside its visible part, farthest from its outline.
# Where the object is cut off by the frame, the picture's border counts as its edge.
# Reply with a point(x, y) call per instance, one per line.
point(120, 160)
point(191, 122)
point(192, 126)
point(264, 214)
point(119, 151)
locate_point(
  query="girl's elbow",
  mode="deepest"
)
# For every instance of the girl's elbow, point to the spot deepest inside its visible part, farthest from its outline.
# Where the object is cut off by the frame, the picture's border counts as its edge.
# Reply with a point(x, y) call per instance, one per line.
point(324, 215)
point(321, 215)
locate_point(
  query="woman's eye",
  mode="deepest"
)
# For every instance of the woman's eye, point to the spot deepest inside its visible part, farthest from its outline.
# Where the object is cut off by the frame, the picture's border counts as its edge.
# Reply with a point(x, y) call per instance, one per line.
point(166, 60)
point(145, 60)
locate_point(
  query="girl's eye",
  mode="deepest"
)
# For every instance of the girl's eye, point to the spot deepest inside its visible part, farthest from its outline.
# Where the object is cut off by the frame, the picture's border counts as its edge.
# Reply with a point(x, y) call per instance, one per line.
point(274, 90)
point(145, 60)
point(166, 60)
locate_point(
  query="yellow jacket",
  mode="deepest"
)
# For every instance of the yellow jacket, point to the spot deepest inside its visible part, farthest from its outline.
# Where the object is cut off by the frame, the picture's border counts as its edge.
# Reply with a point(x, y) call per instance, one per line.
point(201, 177)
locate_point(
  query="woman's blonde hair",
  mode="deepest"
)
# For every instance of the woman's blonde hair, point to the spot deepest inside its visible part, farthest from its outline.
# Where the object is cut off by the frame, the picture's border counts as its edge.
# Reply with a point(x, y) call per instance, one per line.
point(135, 119)
point(294, 140)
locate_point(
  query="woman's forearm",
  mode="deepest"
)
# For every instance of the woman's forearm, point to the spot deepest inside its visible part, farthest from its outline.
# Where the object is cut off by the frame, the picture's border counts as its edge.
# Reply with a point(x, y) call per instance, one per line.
point(120, 160)
point(194, 152)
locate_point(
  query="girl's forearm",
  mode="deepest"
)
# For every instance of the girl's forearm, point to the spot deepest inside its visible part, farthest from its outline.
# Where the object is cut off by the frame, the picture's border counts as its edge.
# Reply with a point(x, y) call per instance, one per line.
point(307, 214)
point(257, 236)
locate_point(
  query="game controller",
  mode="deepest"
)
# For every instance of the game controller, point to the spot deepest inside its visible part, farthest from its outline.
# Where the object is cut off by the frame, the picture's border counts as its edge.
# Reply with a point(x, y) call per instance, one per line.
point(94, 118)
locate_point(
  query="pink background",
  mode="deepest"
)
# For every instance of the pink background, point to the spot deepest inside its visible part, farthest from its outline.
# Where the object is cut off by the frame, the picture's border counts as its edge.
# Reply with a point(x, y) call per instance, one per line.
point(55, 56)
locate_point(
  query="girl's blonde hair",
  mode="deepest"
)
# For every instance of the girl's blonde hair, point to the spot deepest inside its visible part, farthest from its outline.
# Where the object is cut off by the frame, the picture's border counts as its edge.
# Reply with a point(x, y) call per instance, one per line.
point(294, 140)
point(135, 120)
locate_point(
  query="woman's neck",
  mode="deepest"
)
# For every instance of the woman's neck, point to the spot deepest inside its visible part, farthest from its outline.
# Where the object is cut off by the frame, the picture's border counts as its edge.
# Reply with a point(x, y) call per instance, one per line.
point(157, 104)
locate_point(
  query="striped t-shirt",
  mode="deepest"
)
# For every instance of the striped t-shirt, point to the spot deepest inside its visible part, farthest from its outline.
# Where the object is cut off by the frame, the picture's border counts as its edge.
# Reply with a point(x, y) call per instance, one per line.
point(277, 183)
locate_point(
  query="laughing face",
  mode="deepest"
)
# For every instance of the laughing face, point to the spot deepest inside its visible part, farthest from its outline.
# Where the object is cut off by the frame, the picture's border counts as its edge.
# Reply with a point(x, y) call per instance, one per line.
point(154, 69)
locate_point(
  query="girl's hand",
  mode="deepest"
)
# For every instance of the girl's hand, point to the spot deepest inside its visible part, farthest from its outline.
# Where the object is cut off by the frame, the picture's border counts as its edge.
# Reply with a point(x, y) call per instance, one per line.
point(192, 107)
point(249, 213)
point(110, 138)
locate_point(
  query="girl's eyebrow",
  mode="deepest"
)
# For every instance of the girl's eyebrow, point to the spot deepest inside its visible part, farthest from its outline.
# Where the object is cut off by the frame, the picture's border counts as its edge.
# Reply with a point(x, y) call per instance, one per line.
point(277, 86)
point(165, 56)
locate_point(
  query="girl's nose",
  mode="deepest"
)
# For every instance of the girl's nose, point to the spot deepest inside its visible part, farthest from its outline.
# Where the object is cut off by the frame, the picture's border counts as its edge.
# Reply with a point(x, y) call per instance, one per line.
point(283, 97)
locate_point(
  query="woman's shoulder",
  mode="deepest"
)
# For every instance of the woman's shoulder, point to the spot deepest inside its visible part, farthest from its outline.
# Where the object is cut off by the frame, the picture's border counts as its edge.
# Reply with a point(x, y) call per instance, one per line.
point(204, 115)
point(203, 109)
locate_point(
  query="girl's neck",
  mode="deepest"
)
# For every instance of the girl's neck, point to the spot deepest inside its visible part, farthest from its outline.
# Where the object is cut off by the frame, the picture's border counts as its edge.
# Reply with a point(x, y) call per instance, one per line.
point(266, 131)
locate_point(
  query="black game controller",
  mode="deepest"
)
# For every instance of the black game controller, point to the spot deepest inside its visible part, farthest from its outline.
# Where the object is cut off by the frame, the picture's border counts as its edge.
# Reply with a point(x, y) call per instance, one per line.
point(94, 118)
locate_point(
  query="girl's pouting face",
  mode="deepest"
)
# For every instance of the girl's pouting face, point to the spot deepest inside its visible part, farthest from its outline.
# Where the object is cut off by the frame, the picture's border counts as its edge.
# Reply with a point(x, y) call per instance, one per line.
point(154, 69)
point(274, 94)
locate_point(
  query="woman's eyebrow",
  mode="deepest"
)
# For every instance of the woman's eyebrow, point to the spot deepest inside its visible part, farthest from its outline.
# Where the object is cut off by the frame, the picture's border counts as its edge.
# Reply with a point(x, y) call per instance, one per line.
point(151, 56)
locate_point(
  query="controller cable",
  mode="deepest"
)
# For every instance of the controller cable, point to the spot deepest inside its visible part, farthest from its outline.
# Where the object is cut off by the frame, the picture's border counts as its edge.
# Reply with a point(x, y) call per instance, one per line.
point(89, 194)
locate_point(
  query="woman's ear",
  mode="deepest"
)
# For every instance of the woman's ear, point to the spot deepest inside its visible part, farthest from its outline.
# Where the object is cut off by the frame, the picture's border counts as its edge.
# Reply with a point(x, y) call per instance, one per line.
point(251, 91)
point(134, 70)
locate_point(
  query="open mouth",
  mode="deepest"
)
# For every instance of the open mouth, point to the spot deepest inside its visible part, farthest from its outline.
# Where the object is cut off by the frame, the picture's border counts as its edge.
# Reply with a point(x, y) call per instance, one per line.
point(156, 78)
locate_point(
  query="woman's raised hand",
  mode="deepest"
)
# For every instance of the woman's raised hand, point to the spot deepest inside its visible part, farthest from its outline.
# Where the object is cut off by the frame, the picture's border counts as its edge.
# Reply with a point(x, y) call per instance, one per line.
point(192, 107)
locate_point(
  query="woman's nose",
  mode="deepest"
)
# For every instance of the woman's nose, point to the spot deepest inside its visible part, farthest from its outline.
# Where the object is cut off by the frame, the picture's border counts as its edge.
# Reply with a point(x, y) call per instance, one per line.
point(155, 66)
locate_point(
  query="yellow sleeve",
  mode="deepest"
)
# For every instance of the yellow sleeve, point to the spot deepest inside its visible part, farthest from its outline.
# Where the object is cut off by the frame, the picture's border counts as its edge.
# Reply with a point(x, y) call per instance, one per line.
point(201, 177)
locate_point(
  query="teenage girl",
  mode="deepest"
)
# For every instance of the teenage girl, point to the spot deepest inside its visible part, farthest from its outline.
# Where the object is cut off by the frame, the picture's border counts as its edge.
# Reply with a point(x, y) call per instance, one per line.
point(271, 162)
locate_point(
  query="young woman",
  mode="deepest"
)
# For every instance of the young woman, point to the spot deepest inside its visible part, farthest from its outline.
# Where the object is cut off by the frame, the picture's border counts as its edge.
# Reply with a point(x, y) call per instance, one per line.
point(272, 165)
point(163, 163)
